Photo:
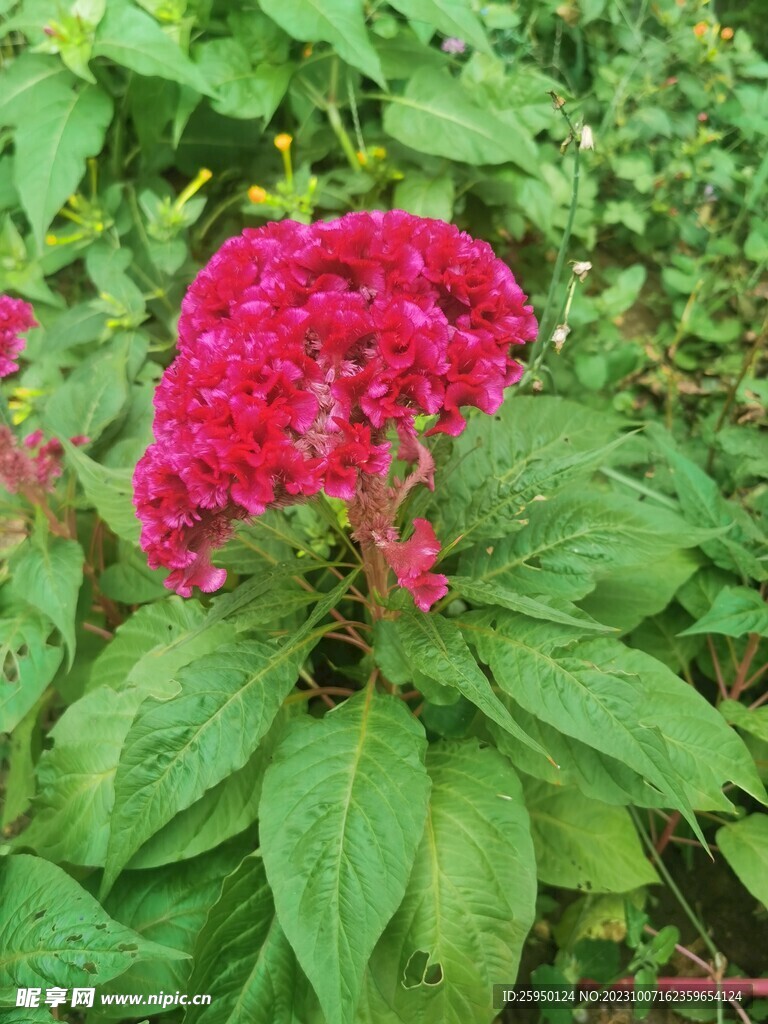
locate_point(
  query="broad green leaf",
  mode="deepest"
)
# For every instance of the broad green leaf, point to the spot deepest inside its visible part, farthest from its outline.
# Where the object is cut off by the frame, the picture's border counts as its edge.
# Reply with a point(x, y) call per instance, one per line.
point(470, 898)
point(572, 835)
point(342, 813)
point(736, 611)
point(530, 449)
point(435, 647)
point(93, 396)
point(176, 750)
point(224, 811)
point(19, 781)
point(47, 574)
point(751, 720)
point(168, 906)
point(437, 115)
point(132, 38)
point(572, 540)
point(704, 506)
point(625, 596)
point(52, 146)
point(494, 593)
point(27, 662)
point(26, 79)
point(243, 955)
point(744, 844)
point(425, 195)
point(659, 637)
point(595, 774)
point(535, 665)
point(76, 777)
point(242, 90)
point(52, 932)
point(109, 491)
point(451, 17)
point(339, 22)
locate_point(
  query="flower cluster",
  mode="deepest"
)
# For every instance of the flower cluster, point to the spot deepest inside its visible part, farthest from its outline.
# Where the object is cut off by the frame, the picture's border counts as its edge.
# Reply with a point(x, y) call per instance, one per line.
point(33, 465)
point(15, 318)
point(300, 347)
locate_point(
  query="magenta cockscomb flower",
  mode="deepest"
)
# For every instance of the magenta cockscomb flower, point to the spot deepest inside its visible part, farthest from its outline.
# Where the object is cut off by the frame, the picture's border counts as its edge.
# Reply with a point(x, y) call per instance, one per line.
point(32, 466)
point(15, 319)
point(303, 350)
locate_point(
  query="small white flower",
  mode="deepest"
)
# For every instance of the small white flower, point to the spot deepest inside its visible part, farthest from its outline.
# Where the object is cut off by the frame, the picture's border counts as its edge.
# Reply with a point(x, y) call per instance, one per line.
point(561, 332)
point(587, 138)
point(581, 269)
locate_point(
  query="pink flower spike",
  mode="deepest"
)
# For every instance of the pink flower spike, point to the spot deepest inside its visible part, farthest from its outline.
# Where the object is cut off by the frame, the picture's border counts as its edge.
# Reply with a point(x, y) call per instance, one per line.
point(15, 319)
point(427, 588)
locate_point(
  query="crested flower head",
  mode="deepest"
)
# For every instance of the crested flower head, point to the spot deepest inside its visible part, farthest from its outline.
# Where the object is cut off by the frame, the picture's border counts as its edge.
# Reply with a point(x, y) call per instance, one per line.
point(15, 319)
point(301, 348)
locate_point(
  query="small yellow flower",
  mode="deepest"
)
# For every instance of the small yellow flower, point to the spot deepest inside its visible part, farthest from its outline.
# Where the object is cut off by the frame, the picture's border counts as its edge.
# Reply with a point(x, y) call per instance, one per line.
point(257, 194)
point(307, 51)
point(378, 153)
point(362, 159)
point(283, 142)
point(700, 29)
point(204, 174)
point(726, 33)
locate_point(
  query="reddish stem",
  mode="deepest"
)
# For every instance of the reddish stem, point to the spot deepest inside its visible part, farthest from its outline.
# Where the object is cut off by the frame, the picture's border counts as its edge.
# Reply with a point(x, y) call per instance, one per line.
point(669, 830)
point(740, 682)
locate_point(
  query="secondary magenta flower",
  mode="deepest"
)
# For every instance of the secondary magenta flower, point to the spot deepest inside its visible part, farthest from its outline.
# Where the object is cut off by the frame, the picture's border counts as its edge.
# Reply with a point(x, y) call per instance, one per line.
point(301, 348)
point(15, 319)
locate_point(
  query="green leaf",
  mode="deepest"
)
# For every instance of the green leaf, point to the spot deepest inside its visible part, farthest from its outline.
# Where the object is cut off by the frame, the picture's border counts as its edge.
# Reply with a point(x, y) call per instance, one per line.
point(52, 932)
point(25, 80)
point(572, 833)
point(93, 396)
point(176, 750)
point(751, 720)
point(243, 955)
point(27, 661)
point(242, 90)
point(168, 906)
point(531, 448)
point(425, 195)
point(52, 146)
point(470, 898)
point(19, 781)
point(224, 811)
point(744, 844)
point(704, 506)
point(437, 115)
point(435, 646)
point(451, 17)
point(132, 38)
point(338, 22)
point(47, 574)
point(736, 611)
point(76, 777)
point(533, 663)
point(109, 491)
point(495, 593)
point(342, 813)
point(572, 540)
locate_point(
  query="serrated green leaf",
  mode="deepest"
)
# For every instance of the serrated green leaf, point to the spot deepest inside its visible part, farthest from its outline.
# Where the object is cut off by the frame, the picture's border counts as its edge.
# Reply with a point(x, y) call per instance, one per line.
point(472, 888)
point(736, 611)
point(132, 38)
point(435, 646)
point(744, 844)
point(339, 850)
point(93, 396)
point(243, 955)
point(52, 146)
point(571, 834)
point(435, 114)
point(339, 22)
point(52, 932)
point(28, 662)
point(48, 574)
point(176, 750)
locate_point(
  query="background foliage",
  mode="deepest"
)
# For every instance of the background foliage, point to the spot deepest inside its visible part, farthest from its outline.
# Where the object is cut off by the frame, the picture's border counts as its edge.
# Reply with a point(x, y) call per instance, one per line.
point(621, 621)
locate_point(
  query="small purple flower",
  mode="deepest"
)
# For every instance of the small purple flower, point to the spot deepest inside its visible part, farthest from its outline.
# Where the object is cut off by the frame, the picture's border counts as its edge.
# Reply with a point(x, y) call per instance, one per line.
point(453, 45)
